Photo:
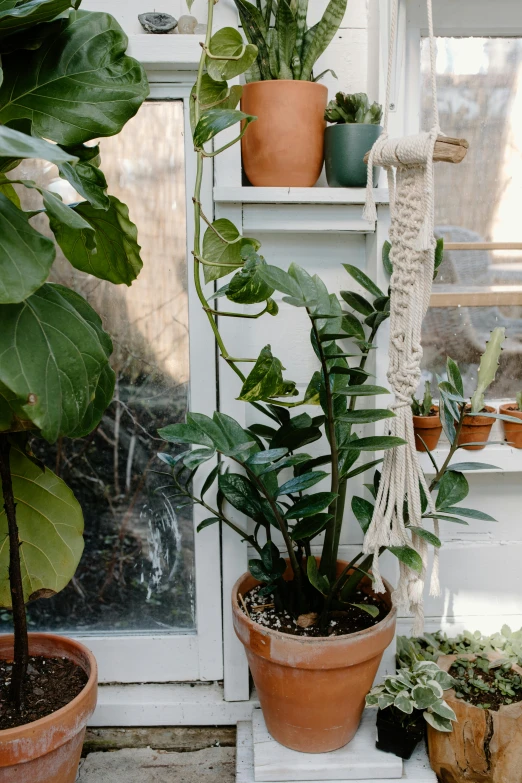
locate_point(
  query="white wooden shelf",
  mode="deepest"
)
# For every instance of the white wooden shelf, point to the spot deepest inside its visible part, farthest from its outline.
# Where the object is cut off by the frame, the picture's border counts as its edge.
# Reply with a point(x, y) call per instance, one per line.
point(503, 456)
point(166, 52)
point(250, 195)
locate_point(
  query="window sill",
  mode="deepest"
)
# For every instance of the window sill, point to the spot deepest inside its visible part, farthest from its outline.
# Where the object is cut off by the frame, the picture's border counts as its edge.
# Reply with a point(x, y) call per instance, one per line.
point(166, 52)
point(250, 195)
point(503, 456)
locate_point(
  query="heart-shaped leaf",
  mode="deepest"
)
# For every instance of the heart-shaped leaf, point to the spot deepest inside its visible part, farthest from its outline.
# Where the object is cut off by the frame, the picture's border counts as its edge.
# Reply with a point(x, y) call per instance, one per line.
point(213, 95)
point(52, 358)
point(266, 379)
point(222, 246)
point(78, 85)
point(213, 121)
point(116, 253)
point(50, 524)
point(26, 256)
point(228, 42)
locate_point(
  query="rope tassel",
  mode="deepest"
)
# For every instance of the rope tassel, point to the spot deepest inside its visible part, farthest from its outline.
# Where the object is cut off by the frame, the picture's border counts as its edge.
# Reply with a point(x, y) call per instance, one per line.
point(399, 502)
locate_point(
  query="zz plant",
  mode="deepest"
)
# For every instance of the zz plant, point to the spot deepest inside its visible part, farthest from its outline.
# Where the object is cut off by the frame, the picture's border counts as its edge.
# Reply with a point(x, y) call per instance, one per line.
point(264, 471)
point(288, 48)
point(66, 81)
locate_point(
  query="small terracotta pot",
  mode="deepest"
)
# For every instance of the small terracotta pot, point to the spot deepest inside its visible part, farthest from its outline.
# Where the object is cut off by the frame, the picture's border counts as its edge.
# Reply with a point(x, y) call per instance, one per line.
point(429, 428)
point(284, 147)
point(312, 690)
point(484, 745)
point(512, 431)
point(49, 750)
point(476, 429)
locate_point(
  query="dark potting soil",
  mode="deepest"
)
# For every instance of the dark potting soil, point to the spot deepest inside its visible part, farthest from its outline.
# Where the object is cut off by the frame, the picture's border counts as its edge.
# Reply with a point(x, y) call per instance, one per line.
point(340, 622)
point(51, 683)
point(489, 689)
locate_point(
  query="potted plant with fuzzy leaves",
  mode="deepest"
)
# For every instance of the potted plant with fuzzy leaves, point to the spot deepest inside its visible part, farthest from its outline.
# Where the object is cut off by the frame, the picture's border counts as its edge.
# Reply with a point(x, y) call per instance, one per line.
point(285, 147)
point(355, 127)
point(55, 376)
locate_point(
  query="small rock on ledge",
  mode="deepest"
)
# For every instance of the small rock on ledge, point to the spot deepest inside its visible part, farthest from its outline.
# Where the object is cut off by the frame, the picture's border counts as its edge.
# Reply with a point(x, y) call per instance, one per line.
point(187, 25)
point(157, 22)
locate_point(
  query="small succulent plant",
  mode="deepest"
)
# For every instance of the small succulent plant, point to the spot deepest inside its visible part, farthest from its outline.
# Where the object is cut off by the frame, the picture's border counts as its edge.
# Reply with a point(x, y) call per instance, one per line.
point(429, 646)
point(418, 689)
point(353, 108)
point(423, 408)
point(486, 683)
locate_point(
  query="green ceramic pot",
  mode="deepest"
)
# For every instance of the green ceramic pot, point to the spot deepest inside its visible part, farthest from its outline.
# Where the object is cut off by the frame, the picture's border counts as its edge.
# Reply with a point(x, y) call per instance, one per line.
point(345, 146)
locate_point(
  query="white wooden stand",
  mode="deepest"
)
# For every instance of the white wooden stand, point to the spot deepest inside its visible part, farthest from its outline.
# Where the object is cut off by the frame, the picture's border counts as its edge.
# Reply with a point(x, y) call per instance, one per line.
point(260, 759)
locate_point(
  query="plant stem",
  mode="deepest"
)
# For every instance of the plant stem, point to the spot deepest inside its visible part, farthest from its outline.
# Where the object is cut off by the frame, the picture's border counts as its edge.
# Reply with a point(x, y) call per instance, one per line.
point(21, 641)
point(453, 449)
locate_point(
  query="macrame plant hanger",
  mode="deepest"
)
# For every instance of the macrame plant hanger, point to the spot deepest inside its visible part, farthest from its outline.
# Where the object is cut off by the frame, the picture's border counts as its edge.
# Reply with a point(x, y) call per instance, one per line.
point(409, 164)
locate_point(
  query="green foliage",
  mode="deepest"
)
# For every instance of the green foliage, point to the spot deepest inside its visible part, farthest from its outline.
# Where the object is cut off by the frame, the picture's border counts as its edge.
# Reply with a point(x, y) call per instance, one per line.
point(353, 109)
point(288, 49)
point(486, 683)
point(430, 646)
point(50, 524)
point(488, 367)
point(416, 690)
point(66, 80)
point(423, 408)
point(519, 401)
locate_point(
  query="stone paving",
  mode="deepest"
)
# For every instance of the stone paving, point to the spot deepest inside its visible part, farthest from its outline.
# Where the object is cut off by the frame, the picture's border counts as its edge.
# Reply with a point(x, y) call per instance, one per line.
point(144, 765)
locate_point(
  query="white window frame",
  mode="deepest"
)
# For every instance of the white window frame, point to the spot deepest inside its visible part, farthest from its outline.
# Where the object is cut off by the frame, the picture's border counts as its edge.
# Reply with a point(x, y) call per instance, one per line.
point(197, 655)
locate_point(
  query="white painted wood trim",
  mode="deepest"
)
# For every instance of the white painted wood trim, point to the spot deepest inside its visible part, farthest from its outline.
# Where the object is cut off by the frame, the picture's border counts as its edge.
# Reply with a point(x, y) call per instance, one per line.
point(224, 194)
point(173, 704)
point(166, 52)
point(502, 455)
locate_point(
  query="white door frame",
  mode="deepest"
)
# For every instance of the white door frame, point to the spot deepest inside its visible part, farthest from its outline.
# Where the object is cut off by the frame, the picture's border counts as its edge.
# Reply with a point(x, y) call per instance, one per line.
point(196, 655)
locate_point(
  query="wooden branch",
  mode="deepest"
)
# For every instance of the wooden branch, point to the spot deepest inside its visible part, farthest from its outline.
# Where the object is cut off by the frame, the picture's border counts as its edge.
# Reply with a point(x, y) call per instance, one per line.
point(447, 150)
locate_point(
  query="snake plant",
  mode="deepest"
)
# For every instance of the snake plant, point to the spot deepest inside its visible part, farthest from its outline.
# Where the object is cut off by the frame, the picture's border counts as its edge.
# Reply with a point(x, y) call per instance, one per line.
point(288, 48)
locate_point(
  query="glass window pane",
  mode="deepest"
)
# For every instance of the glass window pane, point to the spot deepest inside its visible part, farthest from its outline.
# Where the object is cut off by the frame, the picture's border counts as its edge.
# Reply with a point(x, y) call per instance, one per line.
point(137, 571)
point(479, 82)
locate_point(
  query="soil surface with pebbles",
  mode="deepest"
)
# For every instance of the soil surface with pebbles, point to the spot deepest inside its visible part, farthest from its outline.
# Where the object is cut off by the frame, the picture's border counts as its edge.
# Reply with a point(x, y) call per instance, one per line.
point(340, 622)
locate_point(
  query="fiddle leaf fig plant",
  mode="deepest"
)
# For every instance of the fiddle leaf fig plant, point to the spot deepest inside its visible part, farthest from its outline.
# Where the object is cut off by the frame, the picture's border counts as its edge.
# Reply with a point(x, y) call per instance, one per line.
point(289, 494)
point(287, 48)
point(55, 378)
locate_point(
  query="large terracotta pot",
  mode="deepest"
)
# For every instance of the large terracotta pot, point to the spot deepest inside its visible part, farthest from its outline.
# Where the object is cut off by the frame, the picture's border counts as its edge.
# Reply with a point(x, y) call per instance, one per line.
point(485, 745)
point(476, 429)
point(512, 431)
point(429, 428)
point(284, 147)
point(312, 690)
point(49, 750)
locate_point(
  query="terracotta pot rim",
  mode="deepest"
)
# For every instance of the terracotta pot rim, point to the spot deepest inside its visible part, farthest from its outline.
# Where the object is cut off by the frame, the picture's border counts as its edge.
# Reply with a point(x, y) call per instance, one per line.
point(10, 735)
point(506, 408)
point(450, 693)
point(430, 421)
point(310, 640)
point(287, 81)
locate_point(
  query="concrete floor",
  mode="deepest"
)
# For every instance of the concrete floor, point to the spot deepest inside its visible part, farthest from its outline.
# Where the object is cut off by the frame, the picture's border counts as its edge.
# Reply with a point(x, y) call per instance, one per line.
point(144, 765)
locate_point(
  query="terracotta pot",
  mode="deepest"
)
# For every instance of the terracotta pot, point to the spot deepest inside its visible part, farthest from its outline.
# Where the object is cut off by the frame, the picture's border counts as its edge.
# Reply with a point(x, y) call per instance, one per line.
point(484, 746)
point(312, 690)
point(284, 147)
point(476, 429)
point(429, 428)
point(48, 750)
point(512, 431)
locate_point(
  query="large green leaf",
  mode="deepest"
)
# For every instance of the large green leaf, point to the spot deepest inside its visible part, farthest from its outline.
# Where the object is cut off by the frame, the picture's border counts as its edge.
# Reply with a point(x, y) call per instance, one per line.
point(363, 280)
point(363, 511)
point(116, 254)
point(213, 121)
point(50, 524)
point(78, 85)
point(15, 17)
point(222, 246)
point(227, 42)
point(247, 286)
point(26, 256)
point(15, 144)
point(453, 488)
point(88, 180)
point(304, 481)
point(266, 379)
point(255, 29)
point(310, 505)
point(213, 95)
point(52, 358)
point(324, 33)
point(240, 493)
point(286, 25)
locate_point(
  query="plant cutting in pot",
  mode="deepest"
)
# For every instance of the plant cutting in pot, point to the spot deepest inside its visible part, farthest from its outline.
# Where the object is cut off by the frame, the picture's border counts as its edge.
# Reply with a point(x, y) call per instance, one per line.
point(487, 701)
point(472, 422)
point(407, 701)
point(513, 431)
point(426, 421)
point(55, 376)
point(354, 130)
point(313, 629)
point(285, 147)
